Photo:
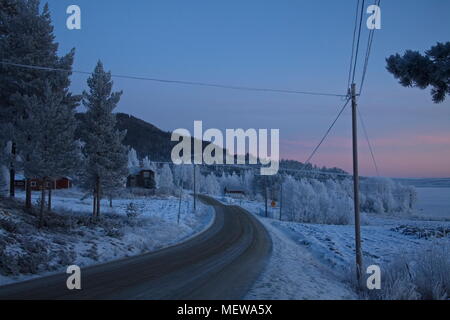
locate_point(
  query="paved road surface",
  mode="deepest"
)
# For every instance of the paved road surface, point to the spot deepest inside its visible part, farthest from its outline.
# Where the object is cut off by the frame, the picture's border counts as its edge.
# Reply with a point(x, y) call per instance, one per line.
point(220, 263)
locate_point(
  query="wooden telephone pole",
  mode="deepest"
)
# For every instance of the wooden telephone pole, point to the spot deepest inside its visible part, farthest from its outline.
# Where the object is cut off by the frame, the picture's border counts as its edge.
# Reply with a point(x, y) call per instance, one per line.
point(281, 198)
point(356, 186)
point(195, 192)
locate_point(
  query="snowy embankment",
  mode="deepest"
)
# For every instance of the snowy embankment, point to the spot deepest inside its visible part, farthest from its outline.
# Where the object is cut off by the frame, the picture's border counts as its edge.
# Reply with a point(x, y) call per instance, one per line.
point(315, 261)
point(70, 236)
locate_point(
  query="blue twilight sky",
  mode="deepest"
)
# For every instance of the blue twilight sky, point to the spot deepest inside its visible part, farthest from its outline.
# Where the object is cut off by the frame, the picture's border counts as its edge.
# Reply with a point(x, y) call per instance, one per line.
point(298, 45)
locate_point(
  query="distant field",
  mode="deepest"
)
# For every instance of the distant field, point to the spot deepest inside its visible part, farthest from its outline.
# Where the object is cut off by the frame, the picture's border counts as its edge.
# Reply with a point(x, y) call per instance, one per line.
point(433, 196)
point(434, 202)
point(427, 182)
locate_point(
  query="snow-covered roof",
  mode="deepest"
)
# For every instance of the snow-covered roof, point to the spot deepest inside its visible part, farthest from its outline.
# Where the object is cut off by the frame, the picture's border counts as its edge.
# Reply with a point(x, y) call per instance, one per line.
point(138, 170)
point(134, 170)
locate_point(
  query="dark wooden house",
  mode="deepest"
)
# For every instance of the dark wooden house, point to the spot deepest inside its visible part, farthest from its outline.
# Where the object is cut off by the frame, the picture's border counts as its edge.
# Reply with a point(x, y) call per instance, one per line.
point(234, 191)
point(142, 179)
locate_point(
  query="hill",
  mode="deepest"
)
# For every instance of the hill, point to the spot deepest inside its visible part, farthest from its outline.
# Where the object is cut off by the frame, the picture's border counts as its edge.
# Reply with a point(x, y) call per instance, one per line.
point(145, 138)
point(148, 140)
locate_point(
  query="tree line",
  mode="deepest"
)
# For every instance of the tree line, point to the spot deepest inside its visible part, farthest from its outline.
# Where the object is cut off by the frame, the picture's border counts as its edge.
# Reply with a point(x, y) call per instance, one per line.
point(37, 111)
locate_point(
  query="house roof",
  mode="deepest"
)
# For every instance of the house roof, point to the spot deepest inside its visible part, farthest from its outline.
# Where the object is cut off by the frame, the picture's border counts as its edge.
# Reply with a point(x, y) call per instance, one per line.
point(21, 177)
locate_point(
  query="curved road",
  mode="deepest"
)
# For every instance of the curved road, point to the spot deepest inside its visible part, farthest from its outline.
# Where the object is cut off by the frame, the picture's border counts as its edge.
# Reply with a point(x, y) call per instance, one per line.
point(220, 263)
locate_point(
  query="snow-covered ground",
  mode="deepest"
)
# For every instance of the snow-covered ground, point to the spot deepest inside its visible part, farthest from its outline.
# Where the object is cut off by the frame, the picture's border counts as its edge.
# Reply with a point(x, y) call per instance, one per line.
point(314, 261)
point(72, 238)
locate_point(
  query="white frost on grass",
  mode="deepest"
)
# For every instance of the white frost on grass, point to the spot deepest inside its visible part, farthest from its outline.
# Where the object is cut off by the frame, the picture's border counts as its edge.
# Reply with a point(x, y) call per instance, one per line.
point(293, 273)
point(314, 261)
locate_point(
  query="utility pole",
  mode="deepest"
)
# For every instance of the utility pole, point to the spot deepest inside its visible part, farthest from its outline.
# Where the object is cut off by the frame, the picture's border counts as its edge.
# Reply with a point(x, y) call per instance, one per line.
point(265, 195)
point(281, 198)
point(356, 186)
point(179, 203)
point(195, 192)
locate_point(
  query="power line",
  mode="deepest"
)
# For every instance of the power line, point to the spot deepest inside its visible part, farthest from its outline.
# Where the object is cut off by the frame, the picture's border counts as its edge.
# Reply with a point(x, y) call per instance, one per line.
point(191, 83)
point(353, 45)
point(368, 142)
point(368, 51)
point(366, 63)
point(357, 43)
point(327, 132)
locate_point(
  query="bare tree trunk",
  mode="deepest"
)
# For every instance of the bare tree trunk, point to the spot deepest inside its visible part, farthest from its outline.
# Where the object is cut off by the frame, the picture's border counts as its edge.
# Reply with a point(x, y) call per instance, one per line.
point(49, 202)
point(94, 203)
point(12, 172)
point(28, 194)
point(98, 197)
point(41, 210)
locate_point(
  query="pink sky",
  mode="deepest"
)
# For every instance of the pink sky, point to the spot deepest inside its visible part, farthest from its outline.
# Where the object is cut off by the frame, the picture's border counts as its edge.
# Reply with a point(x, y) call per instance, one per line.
point(405, 155)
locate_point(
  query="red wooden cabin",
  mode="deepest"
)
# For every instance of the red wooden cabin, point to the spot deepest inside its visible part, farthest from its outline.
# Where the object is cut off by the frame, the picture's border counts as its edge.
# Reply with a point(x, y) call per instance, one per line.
point(60, 183)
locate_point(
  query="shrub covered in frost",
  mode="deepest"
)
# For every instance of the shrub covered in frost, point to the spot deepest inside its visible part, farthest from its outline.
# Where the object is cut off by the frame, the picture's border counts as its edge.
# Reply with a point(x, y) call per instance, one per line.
point(316, 202)
point(423, 275)
point(383, 195)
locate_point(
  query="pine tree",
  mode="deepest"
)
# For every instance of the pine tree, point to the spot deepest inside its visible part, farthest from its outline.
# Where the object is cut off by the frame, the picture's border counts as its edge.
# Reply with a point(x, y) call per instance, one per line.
point(106, 156)
point(51, 150)
point(416, 70)
point(26, 37)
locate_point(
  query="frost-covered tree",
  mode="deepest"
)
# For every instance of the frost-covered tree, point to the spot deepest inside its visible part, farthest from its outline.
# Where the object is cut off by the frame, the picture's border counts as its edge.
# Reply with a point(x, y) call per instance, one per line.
point(165, 180)
point(312, 201)
point(211, 185)
point(133, 161)
point(106, 156)
point(383, 195)
point(248, 182)
point(147, 164)
point(26, 37)
point(416, 70)
point(47, 138)
point(184, 175)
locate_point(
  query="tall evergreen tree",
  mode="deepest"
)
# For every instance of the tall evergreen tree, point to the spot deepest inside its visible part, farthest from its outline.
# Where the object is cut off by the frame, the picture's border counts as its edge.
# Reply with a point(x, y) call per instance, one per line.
point(53, 150)
point(26, 37)
point(106, 156)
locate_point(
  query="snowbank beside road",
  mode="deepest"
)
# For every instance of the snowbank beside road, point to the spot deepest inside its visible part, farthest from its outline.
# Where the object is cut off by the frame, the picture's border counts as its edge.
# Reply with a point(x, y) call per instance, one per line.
point(293, 273)
point(314, 261)
point(70, 237)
